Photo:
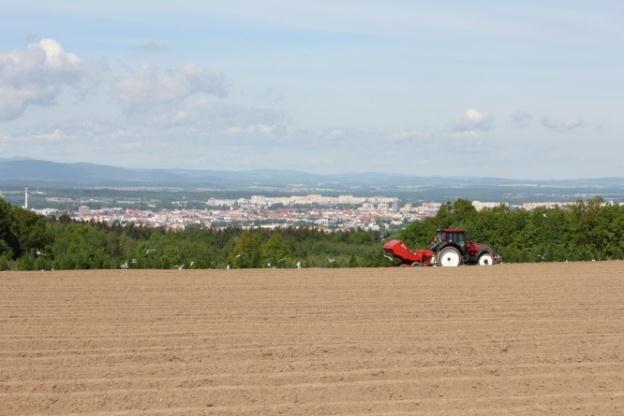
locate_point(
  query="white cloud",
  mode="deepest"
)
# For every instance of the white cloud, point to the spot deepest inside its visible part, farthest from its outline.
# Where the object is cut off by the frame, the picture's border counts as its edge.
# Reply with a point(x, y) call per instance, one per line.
point(562, 124)
point(185, 112)
point(54, 136)
point(150, 87)
point(254, 130)
point(521, 119)
point(472, 121)
point(36, 76)
point(182, 97)
point(208, 114)
point(35, 137)
point(338, 133)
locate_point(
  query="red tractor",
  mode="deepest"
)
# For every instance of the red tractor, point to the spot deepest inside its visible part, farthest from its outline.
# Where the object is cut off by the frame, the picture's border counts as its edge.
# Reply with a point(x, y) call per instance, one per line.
point(449, 248)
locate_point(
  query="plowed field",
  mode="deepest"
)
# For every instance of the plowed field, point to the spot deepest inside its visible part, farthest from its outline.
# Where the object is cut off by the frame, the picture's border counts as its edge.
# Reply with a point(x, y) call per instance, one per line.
point(512, 339)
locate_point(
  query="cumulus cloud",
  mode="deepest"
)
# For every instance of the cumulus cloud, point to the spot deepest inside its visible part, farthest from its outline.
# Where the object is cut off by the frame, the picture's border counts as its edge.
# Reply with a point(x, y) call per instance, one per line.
point(150, 87)
point(207, 115)
point(521, 119)
point(54, 136)
point(338, 133)
point(173, 97)
point(253, 130)
point(562, 124)
point(472, 121)
point(36, 137)
point(36, 76)
point(185, 112)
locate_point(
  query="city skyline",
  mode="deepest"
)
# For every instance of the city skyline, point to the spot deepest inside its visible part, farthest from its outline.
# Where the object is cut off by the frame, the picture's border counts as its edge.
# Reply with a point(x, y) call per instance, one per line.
point(435, 88)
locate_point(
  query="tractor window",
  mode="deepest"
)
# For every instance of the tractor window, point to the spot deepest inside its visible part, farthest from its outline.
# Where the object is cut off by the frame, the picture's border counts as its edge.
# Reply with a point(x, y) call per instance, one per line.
point(440, 236)
point(457, 238)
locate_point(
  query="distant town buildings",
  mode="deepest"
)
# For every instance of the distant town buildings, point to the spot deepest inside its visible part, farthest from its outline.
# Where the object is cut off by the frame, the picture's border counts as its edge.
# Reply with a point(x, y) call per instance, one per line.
point(479, 206)
point(327, 213)
point(530, 206)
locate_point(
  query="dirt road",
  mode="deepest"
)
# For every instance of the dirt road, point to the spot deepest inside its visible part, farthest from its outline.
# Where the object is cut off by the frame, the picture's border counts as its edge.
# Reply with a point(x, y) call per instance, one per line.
point(508, 340)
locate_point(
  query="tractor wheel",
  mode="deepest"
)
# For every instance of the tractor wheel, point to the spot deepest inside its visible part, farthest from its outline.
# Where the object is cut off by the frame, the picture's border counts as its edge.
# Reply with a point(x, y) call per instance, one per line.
point(449, 257)
point(486, 259)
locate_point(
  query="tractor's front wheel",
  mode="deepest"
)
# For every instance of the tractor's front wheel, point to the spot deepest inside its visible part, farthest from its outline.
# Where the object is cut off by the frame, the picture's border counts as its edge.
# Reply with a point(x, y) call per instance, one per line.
point(486, 259)
point(449, 257)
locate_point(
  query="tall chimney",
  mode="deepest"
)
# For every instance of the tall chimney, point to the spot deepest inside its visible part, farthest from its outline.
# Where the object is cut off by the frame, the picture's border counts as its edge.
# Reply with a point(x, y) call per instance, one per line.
point(26, 198)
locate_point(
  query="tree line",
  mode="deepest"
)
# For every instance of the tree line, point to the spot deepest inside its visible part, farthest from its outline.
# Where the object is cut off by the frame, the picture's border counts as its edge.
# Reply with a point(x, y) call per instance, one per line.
point(584, 231)
point(587, 230)
point(32, 242)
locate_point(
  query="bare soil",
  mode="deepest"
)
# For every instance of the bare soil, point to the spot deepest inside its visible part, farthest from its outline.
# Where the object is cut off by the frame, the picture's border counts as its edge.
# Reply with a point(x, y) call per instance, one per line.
point(507, 340)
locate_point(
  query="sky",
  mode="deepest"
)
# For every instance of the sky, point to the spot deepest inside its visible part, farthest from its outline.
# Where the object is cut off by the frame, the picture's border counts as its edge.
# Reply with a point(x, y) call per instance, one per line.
point(529, 89)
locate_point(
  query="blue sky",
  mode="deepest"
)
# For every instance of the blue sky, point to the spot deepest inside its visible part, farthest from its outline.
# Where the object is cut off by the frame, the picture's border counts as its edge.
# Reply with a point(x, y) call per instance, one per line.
point(513, 89)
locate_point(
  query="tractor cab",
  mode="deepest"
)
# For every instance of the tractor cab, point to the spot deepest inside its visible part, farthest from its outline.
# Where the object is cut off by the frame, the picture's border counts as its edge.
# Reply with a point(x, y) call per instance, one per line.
point(457, 236)
point(451, 235)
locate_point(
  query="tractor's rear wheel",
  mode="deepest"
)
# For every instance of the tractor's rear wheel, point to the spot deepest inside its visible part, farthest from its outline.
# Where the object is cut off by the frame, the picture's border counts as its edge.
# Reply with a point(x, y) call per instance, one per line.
point(486, 259)
point(449, 257)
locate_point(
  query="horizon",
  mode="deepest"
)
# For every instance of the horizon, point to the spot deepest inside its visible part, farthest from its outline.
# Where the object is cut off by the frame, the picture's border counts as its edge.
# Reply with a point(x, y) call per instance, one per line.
point(447, 89)
point(286, 171)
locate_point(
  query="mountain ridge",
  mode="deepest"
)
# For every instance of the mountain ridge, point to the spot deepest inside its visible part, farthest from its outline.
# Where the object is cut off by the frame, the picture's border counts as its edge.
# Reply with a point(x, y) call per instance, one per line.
point(25, 172)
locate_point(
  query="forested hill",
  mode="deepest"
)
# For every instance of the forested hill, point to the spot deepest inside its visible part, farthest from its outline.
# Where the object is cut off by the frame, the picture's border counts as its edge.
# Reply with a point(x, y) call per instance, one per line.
point(586, 231)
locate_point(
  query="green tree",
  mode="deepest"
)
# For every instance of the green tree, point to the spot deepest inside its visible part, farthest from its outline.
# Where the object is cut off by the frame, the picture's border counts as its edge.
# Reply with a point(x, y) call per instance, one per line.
point(9, 244)
point(4, 263)
point(276, 251)
point(247, 252)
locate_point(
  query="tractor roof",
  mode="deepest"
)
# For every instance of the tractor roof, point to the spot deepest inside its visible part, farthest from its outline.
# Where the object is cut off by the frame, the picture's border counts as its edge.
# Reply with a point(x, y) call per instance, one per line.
point(454, 230)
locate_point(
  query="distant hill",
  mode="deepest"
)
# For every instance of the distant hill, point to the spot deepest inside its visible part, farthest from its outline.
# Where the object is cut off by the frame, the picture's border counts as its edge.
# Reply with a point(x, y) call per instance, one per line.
point(39, 172)
point(28, 172)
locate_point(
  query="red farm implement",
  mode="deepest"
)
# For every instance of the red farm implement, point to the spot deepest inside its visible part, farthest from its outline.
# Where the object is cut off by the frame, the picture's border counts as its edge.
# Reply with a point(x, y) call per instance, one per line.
point(448, 249)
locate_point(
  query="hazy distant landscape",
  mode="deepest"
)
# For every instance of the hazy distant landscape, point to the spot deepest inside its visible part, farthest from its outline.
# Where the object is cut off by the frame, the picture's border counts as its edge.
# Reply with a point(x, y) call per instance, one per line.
point(161, 186)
